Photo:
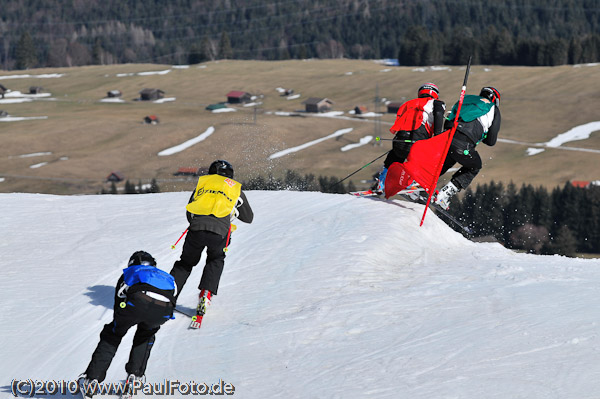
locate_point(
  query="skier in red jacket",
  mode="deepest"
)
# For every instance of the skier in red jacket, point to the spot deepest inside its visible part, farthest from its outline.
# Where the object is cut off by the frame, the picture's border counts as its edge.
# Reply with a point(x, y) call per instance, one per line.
point(417, 119)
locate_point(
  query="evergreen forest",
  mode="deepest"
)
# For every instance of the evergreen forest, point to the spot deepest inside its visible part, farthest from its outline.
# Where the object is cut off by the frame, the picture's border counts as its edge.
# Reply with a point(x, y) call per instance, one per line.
point(64, 33)
point(565, 221)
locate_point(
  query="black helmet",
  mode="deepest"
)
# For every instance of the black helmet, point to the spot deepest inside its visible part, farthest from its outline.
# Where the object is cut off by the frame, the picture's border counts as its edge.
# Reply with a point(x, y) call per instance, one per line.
point(141, 258)
point(429, 90)
point(222, 168)
point(491, 94)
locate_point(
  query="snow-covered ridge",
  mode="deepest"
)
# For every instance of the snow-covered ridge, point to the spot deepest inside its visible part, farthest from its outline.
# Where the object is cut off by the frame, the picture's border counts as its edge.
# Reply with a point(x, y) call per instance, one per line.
point(322, 296)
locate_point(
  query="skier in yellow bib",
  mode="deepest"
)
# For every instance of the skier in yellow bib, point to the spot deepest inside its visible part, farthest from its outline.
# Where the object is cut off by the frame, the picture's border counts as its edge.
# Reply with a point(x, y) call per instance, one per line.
point(216, 200)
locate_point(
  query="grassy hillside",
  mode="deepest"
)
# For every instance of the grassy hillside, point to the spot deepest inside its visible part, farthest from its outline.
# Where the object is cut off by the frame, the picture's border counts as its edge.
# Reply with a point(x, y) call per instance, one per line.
point(97, 138)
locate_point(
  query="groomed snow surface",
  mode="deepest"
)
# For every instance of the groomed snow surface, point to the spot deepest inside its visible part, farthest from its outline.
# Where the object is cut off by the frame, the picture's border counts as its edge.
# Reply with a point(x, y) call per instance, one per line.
point(323, 296)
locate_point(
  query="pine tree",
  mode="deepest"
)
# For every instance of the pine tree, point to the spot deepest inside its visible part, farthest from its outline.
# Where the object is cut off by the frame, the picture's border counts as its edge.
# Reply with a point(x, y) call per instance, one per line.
point(97, 53)
point(588, 234)
point(130, 188)
point(541, 215)
point(575, 51)
point(197, 55)
point(351, 186)
point(153, 187)
point(563, 243)
point(511, 211)
point(414, 48)
point(26, 54)
point(557, 52)
point(225, 50)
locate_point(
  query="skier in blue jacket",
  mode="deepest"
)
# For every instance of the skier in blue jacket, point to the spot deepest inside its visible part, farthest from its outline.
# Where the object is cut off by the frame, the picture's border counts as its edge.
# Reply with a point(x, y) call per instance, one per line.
point(144, 296)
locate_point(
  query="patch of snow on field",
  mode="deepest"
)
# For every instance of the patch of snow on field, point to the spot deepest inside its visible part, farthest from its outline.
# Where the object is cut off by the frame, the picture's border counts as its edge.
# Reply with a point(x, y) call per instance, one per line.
point(164, 100)
point(223, 110)
point(187, 144)
point(14, 100)
point(581, 132)
point(309, 144)
point(112, 100)
point(534, 151)
point(33, 154)
point(27, 76)
point(148, 73)
point(38, 165)
point(18, 119)
point(364, 141)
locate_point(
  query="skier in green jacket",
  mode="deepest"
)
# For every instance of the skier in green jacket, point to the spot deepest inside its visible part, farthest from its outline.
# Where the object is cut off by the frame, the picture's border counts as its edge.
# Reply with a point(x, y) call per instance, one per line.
point(479, 121)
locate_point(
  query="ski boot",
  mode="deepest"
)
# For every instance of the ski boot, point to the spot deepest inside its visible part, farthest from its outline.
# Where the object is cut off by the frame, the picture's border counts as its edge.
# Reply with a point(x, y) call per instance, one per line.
point(379, 185)
point(133, 384)
point(413, 191)
point(445, 194)
point(87, 386)
point(203, 304)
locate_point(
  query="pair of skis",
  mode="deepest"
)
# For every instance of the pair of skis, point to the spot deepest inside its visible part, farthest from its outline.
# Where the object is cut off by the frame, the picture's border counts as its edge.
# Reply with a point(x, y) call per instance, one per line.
point(371, 193)
point(415, 195)
point(420, 199)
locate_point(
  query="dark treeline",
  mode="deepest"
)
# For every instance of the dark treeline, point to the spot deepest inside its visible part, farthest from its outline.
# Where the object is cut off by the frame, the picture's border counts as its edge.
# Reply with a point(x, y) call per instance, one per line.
point(293, 181)
point(565, 221)
point(56, 33)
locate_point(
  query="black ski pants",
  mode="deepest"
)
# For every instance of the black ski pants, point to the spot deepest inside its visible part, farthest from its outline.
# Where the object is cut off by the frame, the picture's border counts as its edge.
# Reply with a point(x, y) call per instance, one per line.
point(194, 244)
point(141, 310)
point(462, 150)
point(402, 143)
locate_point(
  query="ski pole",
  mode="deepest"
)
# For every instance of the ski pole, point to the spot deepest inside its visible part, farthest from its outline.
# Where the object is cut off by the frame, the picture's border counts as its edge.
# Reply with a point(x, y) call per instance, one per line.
point(399, 141)
point(358, 170)
point(227, 242)
point(182, 234)
point(449, 140)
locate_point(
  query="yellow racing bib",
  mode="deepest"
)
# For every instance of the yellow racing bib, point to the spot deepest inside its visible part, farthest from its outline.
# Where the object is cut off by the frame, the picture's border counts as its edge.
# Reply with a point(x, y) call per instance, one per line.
point(215, 195)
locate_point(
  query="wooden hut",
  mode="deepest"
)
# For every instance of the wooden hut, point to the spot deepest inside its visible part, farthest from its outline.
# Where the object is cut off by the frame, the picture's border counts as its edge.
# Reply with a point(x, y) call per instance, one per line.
point(183, 171)
point(114, 94)
point(360, 109)
point(151, 94)
point(115, 176)
point(238, 97)
point(151, 120)
point(316, 104)
point(580, 183)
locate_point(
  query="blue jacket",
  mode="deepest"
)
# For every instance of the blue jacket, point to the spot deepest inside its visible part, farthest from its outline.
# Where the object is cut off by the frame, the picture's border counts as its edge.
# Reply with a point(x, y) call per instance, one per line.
point(146, 278)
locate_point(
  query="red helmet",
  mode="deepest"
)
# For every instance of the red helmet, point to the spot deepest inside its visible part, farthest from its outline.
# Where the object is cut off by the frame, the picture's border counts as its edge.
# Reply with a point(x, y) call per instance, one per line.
point(491, 94)
point(429, 90)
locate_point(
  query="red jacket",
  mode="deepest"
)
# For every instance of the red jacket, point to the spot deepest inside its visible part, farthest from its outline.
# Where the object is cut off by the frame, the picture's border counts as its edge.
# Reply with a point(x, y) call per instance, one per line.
point(413, 114)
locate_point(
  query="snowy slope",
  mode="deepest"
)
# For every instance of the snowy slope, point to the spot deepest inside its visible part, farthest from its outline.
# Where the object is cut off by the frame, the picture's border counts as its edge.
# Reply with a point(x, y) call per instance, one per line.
point(323, 296)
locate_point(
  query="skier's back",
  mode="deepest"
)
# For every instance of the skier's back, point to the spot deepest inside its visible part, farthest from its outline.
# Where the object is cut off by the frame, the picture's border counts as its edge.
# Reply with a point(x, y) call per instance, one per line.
point(417, 119)
point(216, 199)
point(144, 297)
point(479, 121)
